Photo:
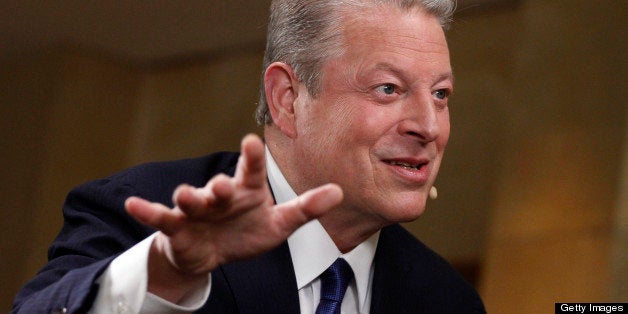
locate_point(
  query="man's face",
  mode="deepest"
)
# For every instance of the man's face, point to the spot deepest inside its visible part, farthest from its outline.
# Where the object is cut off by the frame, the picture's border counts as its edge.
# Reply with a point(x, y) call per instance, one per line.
point(380, 123)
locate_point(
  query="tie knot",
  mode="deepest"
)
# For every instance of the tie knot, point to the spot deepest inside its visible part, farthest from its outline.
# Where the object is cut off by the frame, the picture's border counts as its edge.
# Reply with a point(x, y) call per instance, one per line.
point(334, 283)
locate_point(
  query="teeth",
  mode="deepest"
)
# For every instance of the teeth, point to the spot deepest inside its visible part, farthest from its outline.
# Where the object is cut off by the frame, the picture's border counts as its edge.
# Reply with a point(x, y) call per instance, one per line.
point(404, 164)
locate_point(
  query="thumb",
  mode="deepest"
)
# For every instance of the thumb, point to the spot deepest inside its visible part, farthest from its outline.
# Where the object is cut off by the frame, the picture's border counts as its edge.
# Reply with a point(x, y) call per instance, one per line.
point(307, 206)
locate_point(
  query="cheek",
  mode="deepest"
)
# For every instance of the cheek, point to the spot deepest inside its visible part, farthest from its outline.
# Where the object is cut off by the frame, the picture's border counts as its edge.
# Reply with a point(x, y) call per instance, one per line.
point(369, 122)
point(340, 122)
point(345, 127)
point(324, 132)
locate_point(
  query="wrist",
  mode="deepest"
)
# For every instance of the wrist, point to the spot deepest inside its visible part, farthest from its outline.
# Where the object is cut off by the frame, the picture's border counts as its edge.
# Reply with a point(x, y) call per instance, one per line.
point(166, 280)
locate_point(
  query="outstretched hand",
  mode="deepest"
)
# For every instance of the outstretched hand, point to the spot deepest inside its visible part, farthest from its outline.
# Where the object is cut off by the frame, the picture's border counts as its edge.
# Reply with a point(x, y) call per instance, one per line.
point(229, 219)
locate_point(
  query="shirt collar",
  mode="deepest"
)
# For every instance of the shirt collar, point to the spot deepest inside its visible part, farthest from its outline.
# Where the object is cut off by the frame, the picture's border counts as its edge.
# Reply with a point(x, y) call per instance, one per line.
point(312, 249)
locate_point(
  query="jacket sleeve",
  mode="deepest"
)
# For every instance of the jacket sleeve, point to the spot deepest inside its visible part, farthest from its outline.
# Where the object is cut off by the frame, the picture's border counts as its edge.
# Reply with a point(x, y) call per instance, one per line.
point(96, 229)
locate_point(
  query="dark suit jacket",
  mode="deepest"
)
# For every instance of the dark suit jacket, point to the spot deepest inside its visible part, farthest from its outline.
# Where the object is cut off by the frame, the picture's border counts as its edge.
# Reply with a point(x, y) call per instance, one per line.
point(408, 278)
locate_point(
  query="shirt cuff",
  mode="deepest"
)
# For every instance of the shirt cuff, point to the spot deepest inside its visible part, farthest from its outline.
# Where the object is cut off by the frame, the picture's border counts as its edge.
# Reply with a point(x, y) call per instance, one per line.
point(123, 287)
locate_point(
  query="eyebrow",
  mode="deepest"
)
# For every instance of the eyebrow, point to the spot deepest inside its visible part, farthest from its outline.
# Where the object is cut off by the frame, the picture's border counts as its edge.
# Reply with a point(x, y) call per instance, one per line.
point(447, 76)
point(392, 68)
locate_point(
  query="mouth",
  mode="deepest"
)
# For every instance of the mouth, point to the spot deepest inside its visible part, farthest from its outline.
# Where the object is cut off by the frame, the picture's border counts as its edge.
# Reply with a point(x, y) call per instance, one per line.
point(410, 169)
point(405, 164)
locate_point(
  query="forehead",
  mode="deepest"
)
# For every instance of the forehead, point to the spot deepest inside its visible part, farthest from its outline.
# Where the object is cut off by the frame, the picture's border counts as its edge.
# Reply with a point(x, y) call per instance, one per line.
point(390, 35)
point(411, 28)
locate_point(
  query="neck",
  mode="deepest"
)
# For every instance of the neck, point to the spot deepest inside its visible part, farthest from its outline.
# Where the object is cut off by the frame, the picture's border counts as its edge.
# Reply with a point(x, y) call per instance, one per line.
point(346, 230)
point(346, 225)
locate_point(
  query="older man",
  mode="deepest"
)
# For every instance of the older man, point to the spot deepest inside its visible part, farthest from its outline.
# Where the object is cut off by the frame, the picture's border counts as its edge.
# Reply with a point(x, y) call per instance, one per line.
point(354, 105)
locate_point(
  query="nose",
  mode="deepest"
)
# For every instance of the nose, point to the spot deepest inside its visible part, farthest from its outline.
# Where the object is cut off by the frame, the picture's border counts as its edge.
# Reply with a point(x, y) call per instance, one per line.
point(421, 119)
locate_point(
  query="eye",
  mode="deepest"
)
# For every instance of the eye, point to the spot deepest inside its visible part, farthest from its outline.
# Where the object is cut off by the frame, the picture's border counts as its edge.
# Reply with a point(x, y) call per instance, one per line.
point(441, 94)
point(387, 89)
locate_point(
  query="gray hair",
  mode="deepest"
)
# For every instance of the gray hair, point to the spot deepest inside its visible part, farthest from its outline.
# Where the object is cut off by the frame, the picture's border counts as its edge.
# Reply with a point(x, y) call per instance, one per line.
point(306, 33)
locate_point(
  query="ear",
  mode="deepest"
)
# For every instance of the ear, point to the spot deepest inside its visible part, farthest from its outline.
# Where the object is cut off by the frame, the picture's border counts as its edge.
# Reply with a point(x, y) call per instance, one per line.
point(281, 88)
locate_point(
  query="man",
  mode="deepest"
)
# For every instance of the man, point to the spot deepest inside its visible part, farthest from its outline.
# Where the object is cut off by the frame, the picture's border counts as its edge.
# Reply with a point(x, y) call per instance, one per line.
point(354, 102)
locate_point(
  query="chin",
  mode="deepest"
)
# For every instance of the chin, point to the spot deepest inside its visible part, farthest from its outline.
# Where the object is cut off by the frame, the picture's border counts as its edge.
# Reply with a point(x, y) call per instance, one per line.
point(404, 212)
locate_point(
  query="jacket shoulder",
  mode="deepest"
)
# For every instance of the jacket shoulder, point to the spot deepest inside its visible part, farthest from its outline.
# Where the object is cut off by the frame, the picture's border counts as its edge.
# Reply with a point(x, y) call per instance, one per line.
point(156, 181)
point(410, 272)
point(97, 228)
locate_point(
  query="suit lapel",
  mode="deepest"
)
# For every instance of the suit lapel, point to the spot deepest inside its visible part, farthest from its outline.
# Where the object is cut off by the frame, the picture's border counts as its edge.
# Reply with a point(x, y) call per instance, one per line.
point(391, 269)
point(265, 284)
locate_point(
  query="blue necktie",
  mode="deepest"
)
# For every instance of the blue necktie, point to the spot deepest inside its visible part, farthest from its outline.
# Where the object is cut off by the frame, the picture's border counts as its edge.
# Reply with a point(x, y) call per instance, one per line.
point(334, 283)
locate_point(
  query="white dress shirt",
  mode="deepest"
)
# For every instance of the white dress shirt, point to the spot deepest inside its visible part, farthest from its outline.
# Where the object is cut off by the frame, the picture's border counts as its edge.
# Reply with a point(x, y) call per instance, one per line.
point(313, 251)
point(123, 284)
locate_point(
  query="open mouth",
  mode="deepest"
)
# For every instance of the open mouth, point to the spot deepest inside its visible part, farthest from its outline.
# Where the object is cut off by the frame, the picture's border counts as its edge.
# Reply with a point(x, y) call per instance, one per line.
point(406, 164)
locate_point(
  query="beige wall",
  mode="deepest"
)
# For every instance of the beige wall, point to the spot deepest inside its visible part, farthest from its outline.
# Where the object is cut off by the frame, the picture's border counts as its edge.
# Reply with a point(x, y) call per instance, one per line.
point(552, 222)
point(619, 259)
point(195, 109)
point(68, 118)
point(530, 188)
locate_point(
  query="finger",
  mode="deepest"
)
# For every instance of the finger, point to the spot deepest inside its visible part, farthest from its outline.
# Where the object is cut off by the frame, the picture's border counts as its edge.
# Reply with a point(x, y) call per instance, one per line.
point(251, 169)
point(188, 197)
point(153, 214)
point(193, 201)
point(199, 202)
point(309, 205)
point(222, 188)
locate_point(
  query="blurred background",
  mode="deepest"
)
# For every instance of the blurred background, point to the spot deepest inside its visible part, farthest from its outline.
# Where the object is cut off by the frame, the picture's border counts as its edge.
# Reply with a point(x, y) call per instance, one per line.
point(533, 192)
